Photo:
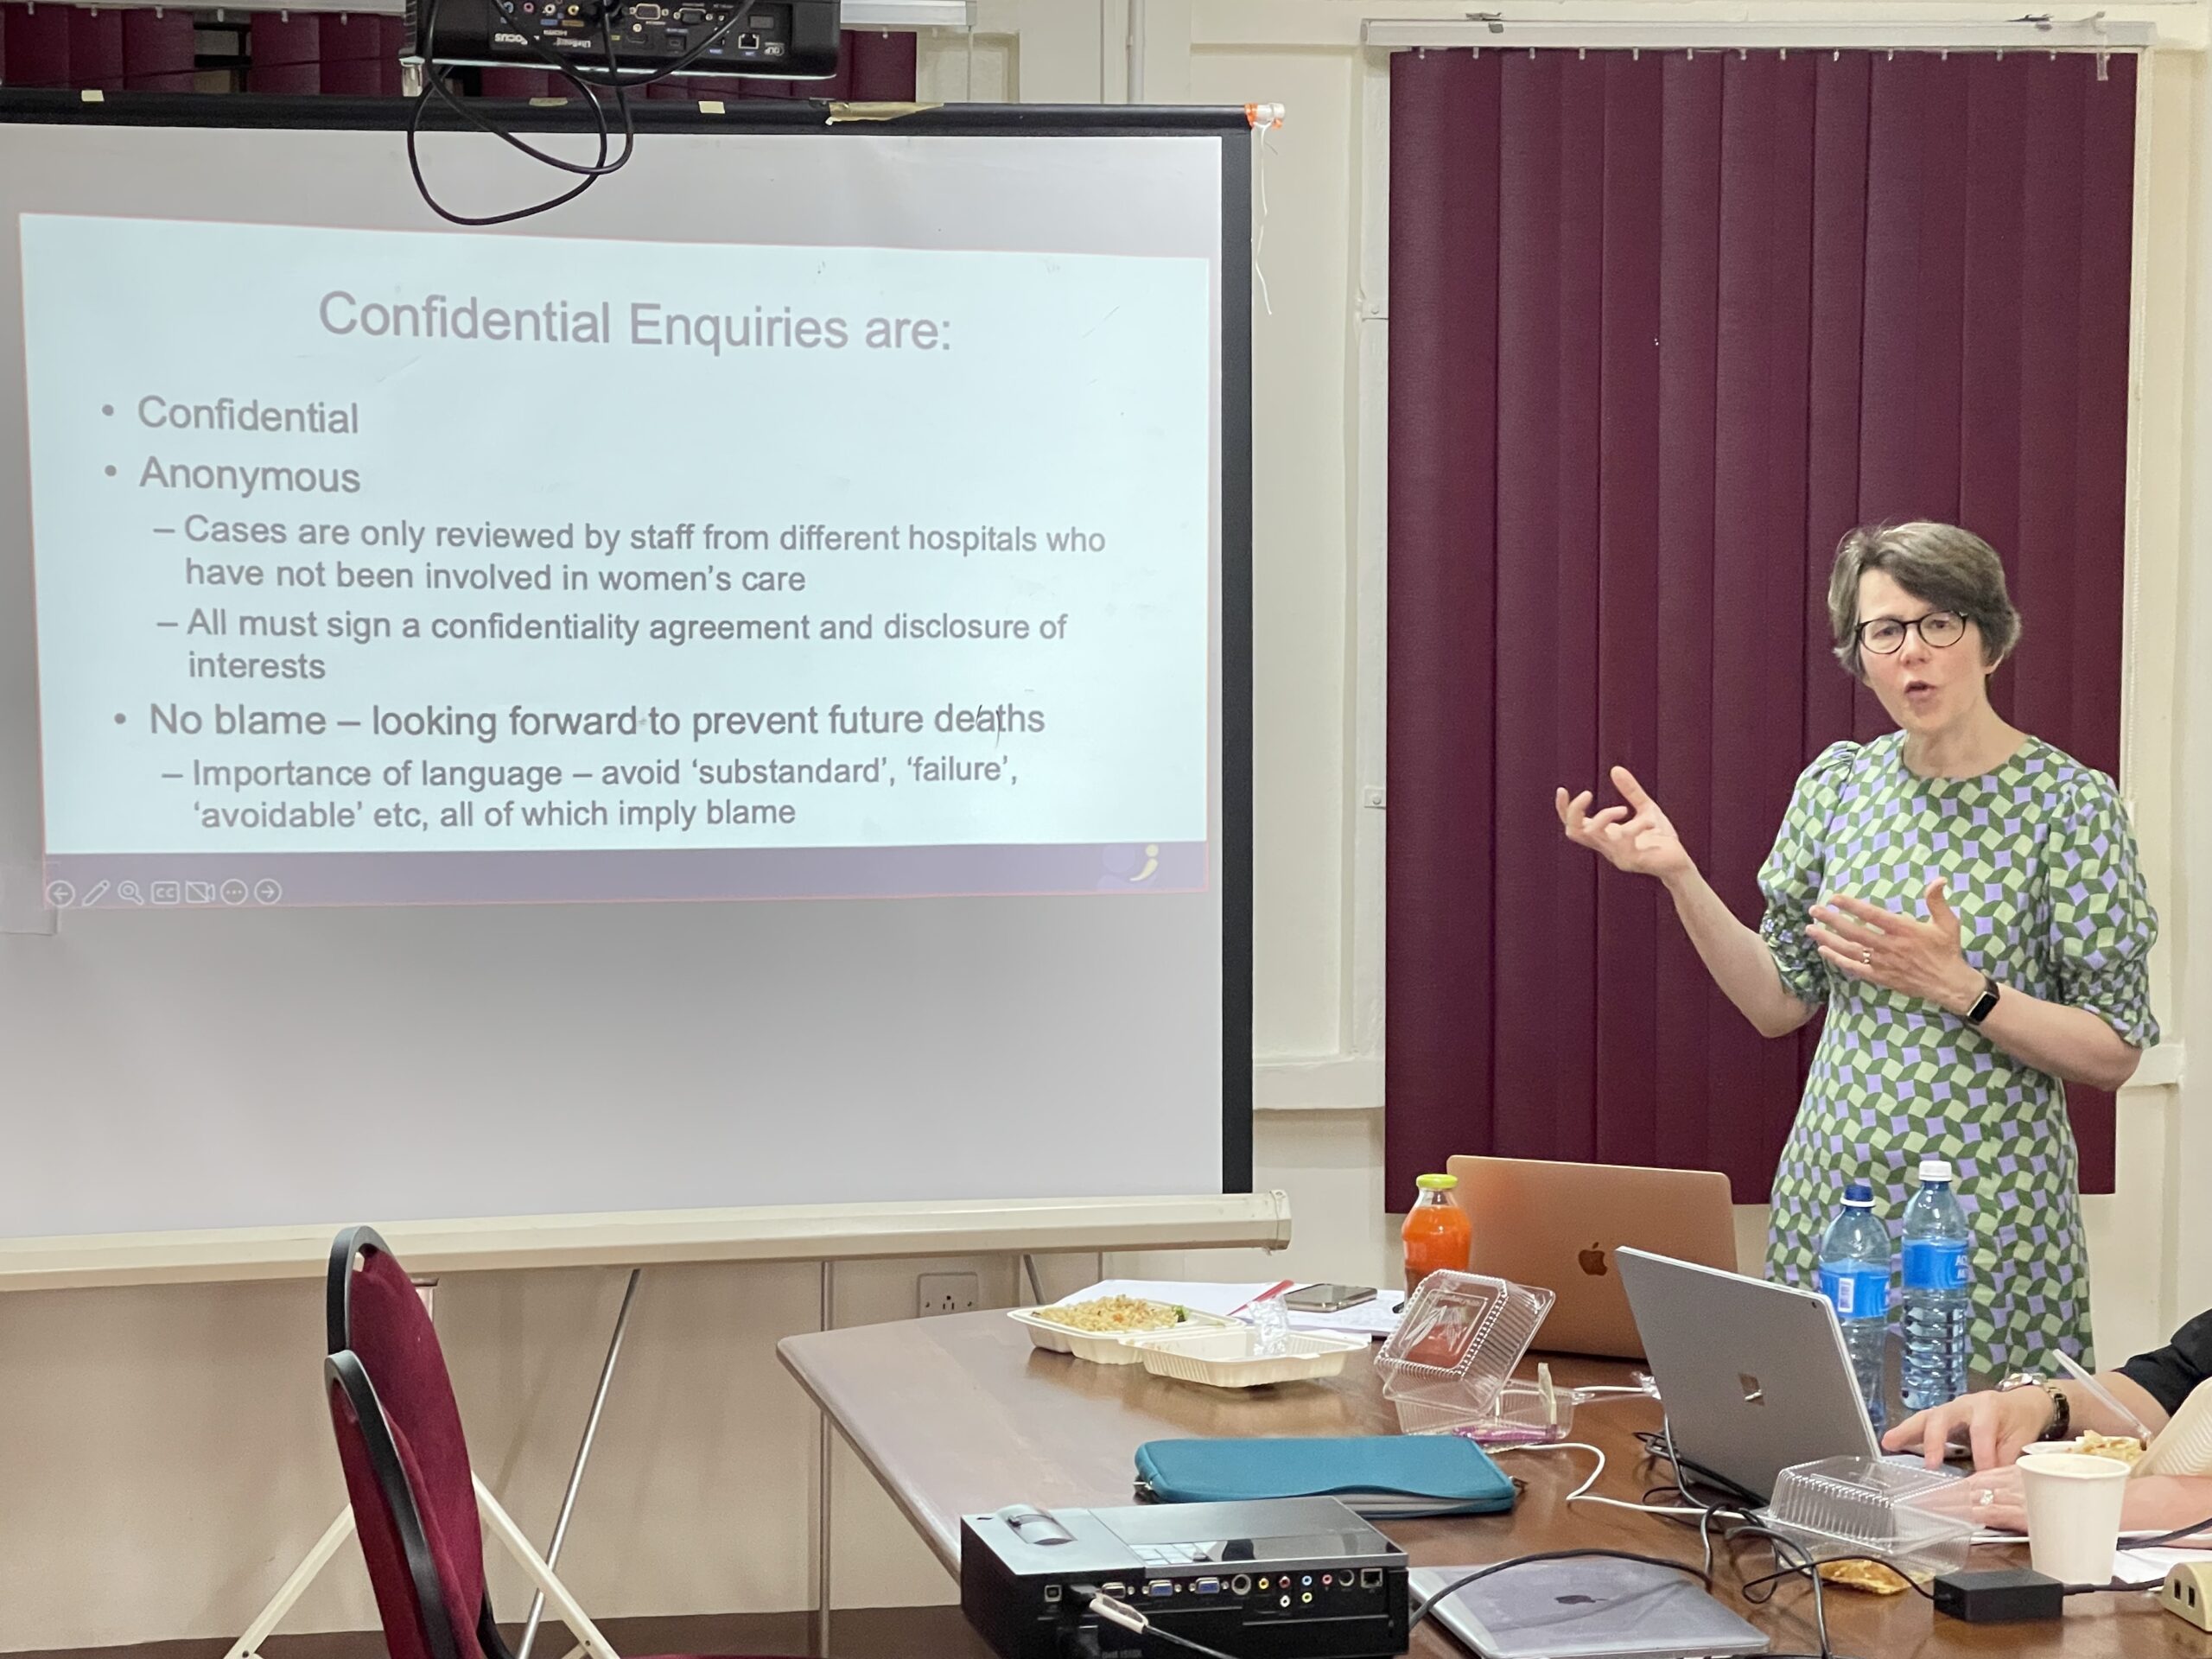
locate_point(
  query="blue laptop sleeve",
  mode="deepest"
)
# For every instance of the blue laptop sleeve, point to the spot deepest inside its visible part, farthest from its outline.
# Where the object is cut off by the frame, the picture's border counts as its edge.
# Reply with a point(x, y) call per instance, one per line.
point(1375, 1475)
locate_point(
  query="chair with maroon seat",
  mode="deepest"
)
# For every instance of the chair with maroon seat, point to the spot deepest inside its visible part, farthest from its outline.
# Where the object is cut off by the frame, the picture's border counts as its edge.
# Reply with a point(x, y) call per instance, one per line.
point(416, 1501)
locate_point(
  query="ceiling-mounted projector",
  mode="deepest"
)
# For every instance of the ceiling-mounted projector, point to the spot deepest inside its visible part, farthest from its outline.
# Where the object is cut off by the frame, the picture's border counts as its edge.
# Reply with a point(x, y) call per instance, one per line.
point(779, 40)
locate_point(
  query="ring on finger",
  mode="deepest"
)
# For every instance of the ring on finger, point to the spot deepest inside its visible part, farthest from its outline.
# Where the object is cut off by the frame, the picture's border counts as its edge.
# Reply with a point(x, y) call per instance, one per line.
point(1866, 958)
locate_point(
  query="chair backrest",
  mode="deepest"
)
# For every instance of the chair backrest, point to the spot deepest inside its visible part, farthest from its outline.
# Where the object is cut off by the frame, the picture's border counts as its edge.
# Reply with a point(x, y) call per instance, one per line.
point(406, 1461)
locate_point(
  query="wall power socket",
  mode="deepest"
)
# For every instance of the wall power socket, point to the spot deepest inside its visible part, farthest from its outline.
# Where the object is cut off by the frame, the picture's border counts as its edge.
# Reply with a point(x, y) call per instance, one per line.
point(947, 1293)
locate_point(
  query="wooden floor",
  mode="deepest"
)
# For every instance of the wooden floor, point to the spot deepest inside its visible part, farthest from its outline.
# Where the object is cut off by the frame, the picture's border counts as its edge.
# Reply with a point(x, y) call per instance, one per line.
point(855, 1633)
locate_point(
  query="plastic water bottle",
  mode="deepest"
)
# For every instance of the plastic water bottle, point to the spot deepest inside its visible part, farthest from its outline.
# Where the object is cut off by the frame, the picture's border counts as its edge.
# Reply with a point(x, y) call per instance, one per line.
point(1855, 1278)
point(1937, 1272)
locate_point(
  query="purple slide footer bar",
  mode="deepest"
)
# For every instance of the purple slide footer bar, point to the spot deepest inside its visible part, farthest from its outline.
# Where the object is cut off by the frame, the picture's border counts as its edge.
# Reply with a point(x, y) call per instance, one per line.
point(150, 880)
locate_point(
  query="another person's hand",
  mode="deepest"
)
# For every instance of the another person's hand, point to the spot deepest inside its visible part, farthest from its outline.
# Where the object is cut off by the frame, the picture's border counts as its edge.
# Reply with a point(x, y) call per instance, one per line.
point(1637, 837)
point(1992, 1497)
point(1915, 958)
point(2154, 1503)
point(1998, 1427)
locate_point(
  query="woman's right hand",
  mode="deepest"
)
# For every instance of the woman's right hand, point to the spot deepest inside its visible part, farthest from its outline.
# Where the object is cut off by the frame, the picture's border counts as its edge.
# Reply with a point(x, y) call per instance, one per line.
point(1637, 837)
point(1997, 1426)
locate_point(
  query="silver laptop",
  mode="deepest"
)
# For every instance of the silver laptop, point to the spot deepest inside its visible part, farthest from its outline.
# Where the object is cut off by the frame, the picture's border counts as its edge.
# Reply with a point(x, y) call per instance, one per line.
point(1592, 1609)
point(1754, 1375)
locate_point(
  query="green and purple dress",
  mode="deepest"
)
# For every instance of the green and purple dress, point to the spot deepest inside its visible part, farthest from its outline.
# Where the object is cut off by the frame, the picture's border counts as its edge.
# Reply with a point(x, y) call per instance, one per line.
point(2039, 863)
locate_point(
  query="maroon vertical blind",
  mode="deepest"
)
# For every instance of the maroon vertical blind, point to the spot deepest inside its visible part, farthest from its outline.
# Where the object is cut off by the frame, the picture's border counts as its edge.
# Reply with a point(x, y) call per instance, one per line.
point(301, 52)
point(103, 51)
point(1662, 328)
point(133, 50)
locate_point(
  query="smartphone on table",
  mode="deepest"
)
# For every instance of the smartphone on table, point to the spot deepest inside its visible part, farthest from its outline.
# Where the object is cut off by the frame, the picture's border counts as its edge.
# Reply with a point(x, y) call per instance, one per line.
point(1327, 1298)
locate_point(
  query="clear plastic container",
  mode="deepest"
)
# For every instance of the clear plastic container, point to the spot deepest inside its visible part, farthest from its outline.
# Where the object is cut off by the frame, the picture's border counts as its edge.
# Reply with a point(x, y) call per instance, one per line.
point(1234, 1359)
point(1524, 1415)
point(1919, 1520)
point(1461, 1336)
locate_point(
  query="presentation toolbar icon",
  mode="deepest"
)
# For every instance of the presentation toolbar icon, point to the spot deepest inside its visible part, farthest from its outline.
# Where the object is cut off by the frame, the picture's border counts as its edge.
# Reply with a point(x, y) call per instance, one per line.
point(60, 894)
point(199, 893)
point(128, 892)
point(266, 892)
point(98, 892)
point(233, 892)
point(168, 893)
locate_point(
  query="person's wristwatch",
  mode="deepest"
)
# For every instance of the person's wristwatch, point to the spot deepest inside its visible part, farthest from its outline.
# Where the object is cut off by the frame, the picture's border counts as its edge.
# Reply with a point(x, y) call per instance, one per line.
point(1979, 1009)
point(2060, 1426)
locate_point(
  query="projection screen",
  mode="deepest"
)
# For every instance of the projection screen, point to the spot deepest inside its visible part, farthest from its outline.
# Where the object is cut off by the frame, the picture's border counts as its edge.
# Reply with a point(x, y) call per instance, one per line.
point(733, 692)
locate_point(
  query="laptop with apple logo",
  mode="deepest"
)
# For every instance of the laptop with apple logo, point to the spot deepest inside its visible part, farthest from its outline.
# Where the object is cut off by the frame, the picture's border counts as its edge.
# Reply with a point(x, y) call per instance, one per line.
point(1754, 1375)
point(1557, 1225)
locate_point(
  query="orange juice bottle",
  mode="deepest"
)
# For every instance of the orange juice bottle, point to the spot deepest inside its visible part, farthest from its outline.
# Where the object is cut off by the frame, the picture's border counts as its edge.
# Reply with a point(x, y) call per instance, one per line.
point(1437, 1233)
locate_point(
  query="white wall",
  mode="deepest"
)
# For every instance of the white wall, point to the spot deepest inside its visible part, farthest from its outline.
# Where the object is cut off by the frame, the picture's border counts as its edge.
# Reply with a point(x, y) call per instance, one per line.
point(164, 1454)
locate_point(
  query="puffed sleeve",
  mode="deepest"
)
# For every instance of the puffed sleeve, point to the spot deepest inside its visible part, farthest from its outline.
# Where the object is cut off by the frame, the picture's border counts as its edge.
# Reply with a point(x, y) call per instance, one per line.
point(2102, 926)
point(1792, 878)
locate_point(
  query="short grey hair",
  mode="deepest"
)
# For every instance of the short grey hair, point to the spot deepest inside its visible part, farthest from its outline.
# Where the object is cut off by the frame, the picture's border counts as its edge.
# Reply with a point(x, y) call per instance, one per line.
point(1944, 567)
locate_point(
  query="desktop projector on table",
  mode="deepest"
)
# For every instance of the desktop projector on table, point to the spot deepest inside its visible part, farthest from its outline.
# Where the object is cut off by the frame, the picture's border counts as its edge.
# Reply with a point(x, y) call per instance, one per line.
point(1285, 1578)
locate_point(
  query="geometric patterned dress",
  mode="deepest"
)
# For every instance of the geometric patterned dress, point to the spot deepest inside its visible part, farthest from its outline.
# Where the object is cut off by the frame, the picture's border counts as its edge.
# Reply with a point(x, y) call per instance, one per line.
point(2039, 862)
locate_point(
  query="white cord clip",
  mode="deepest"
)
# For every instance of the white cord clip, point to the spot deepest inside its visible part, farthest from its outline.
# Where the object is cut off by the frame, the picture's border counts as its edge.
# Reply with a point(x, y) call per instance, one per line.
point(1119, 1612)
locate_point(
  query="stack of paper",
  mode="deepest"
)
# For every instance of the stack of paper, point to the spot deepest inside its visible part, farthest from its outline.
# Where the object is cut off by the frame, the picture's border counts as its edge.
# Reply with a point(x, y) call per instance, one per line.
point(1378, 1317)
point(2137, 1566)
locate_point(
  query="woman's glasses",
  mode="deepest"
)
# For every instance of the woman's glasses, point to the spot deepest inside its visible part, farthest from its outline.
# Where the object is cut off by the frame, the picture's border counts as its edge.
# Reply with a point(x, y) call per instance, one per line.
point(1884, 635)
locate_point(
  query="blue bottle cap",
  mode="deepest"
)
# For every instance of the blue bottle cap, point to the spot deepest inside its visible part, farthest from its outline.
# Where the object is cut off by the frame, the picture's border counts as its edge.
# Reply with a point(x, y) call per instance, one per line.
point(1858, 1192)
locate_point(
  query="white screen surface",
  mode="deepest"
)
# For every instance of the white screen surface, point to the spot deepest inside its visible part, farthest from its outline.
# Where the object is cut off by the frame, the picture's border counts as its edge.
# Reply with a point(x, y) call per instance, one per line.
point(909, 610)
point(986, 953)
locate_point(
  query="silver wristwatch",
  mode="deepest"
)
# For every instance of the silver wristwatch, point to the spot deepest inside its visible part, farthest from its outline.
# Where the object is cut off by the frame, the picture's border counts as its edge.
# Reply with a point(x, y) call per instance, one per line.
point(2061, 1409)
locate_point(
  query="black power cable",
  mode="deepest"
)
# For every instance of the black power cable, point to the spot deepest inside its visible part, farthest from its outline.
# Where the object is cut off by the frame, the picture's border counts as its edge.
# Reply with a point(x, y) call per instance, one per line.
point(2173, 1537)
point(1738, 1504)
point(589, 84)
point(434, 78)
point(468, 112)
point(2111, 1589)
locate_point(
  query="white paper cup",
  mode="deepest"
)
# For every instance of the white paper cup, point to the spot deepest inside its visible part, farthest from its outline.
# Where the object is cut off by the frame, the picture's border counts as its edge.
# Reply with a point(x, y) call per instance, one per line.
point(2072, 1503)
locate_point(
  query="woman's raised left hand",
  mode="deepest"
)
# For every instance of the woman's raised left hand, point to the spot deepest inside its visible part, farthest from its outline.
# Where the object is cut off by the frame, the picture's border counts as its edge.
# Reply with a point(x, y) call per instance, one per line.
point(1898, 953)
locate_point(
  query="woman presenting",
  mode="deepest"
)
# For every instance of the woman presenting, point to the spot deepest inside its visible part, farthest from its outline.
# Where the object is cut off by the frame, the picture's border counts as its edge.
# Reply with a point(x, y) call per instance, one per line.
point(1964, 899)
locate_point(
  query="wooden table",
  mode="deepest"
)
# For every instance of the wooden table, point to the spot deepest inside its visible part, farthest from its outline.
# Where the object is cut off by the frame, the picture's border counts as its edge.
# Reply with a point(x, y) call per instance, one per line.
point(959, 1414)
